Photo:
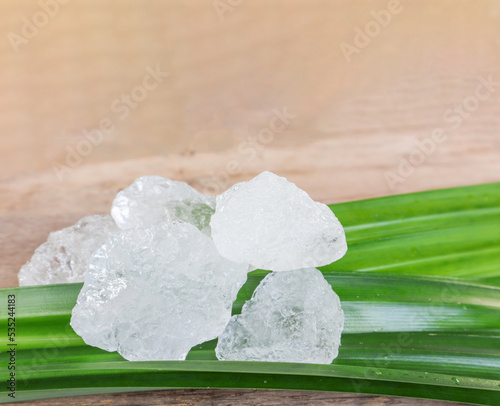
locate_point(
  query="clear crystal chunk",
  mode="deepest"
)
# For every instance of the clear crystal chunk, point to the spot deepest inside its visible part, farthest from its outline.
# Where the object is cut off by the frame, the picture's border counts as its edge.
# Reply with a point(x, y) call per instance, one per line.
point(153, 199)
point(65, 256)
point(153, 293)
point(271, 224)
point(293, 316)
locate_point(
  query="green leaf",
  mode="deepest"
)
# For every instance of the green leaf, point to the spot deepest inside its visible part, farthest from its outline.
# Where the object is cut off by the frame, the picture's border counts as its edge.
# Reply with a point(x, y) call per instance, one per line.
point(451, 232)
point(421, 320)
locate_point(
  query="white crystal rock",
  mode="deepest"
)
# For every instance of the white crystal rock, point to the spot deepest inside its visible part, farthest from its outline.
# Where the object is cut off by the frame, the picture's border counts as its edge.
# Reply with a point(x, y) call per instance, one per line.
point(152, 199)
point(272, 224)
point(65, 256)
point(293, 316)
point(153, 293)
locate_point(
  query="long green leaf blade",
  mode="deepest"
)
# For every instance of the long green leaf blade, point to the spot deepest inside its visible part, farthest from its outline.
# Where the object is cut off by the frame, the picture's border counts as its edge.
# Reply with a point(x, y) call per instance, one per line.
point(413, 317)
point(420, 287)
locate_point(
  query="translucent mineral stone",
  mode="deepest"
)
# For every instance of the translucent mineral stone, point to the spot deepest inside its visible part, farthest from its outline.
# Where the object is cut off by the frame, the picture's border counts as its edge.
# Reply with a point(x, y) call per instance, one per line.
point(153, 293)
point(152, 199)
point(293, 316)
point(272, 224)
point(65, 256)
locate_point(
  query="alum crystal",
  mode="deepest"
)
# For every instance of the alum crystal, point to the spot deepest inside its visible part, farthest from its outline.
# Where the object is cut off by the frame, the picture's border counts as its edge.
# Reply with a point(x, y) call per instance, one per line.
point(293, 316)
point(153, 293)
point(152, 199)
point(64, 257)
point(270, 223)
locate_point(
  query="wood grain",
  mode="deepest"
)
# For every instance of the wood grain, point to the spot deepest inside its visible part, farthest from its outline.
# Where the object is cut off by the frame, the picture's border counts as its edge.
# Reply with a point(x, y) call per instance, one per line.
point(221, 397)
point(354, 122)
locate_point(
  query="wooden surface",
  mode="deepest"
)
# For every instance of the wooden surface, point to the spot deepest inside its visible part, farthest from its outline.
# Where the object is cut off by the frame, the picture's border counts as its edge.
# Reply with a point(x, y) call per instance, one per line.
point(210, 121)
point(209, 397)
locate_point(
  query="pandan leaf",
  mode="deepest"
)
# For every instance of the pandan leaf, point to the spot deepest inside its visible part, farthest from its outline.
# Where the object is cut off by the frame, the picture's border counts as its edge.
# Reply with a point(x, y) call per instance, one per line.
point(420, 287)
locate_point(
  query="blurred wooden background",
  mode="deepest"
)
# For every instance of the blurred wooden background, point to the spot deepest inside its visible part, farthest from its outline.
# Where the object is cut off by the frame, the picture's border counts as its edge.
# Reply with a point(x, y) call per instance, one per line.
point(96, 93)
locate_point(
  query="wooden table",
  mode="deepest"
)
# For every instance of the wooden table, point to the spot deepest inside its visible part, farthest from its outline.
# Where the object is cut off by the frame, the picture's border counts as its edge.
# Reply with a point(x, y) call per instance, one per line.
point(100, 93)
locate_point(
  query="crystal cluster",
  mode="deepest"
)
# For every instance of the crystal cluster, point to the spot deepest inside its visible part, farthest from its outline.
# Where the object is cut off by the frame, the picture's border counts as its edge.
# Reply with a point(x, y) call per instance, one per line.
point(162, 272)
point(153, 293)
point(65, 256)
point(272, 224)
point(293, 316)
